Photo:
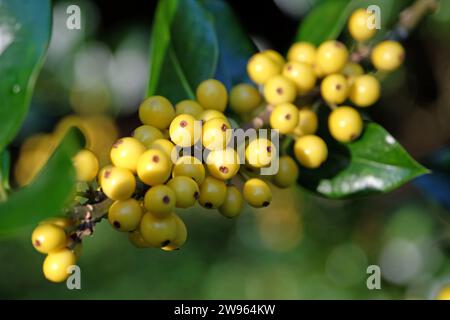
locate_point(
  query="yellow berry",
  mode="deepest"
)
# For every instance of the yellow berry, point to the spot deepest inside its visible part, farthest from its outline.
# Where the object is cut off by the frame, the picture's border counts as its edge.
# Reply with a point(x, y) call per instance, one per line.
point(331, 57)
point(216, 134)
point(86, 165)
point(388, 55)
point(212, 94)
point(359, 25)
point(345, 124)
point(189, 107)
point(191, 167)
point(185, 130)
point(211, 114)
point(164, 145)
point(275, 56)
point(301, 74)
point(223, 164)
point(365, 90)
point(280, 89)
point(158, 232)
point(48, 237)
point(260, 152)
point(261, 67)
point(257, 193)
point(232, 206)
point(58, 221)
point(444, 293)
point(334, 88)
point(154, 167)
point(180, 237)
point(311, 151)
point(287, 173)
point(125, 153)
point(147, 134)
point(118, 183)
point(303, 52)
point(284, 118)
point(186, 191)
point(244, 98)
point(136, 239)
point(125, 215)
point(56, 265)
point(156, 111)
point(212, 193)
point(307, 122)
point(160, 200)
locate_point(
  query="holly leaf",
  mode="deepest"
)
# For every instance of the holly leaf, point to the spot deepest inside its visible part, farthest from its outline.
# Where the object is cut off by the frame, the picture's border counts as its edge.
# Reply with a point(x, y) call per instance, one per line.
point(24, 37)
point(375, 163)
point(48, 193)
point(183, 49)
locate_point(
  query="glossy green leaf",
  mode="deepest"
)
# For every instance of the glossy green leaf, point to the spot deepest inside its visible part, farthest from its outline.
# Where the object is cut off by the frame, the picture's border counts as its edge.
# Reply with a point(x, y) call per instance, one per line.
point(48, 193)
point(374, 163)
point(183, 49)
point(24, 34)
point(328, 18)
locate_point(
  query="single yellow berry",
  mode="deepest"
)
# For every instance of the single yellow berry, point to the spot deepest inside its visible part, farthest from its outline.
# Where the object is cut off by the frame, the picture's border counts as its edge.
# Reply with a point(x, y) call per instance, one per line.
point(56, 265)
point(287, 173)
point(361, 25)
point(189, 107)
point(257, 193)
point(191, 167)
point(118, 183)
point(345, 124)
point(261, 67)
point(86, 165)
point(136, 240)
point(301, 74)
point(211, 114)
point(156, 111)
point(185, 130)
point(48, 237)
point(311, 151)
point(260, 153)
point(388, 55)
point(232, 206)
point(331, 57)
point(307, 122)
point(284, 118)
point(365, 90)
point(186, 191)
point(160, 200)
point(223, 164)
point(334, 88)
point(244, 98)
point(158, 232)
point(147, 134)
point(216, 134)
point(275, 56)
point(280, 89)
point(212, 94)
point(212, 193)
point(125, 153)
point(154, 167)
point(125, 215)
point(180, 237)
point(303, 52)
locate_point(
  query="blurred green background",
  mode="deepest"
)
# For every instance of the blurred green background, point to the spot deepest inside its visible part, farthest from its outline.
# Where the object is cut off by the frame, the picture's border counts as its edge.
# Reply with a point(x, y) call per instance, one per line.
point(301, 247)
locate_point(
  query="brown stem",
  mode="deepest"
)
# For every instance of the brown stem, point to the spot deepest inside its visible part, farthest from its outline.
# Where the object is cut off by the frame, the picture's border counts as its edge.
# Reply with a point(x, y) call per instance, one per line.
point(260, 120)
point(97, 211)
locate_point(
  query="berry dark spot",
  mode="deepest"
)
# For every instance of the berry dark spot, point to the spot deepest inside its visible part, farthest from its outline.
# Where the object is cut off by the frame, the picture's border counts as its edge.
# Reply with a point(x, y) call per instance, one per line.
point(401, 56)
point(183, 123)
point(338, 87)
point(224, 127)
point(107, 174)
point(155, 159)
point(265, 203)
point(269, 149)
point(37, 243)
point(196, 195)
point(208, 205)
point(279, 90)
point(289, 68)
point(117, 143)
point(165, 243)
point(116, 224)
point(338, 44)
point(166, 199)
point(287, 117)
point(353, 136)
point(223, 169)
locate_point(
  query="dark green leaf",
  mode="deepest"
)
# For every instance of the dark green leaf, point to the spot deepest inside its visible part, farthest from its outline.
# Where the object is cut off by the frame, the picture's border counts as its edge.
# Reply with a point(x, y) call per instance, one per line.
point(183, 49)
point(5, 167)
point(47, 194)
point(234, 44)
point(25, 32)
point(374, 163)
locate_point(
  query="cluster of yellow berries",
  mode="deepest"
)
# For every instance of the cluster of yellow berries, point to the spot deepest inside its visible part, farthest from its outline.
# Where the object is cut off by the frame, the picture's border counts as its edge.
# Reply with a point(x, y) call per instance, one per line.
point(326, 70)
